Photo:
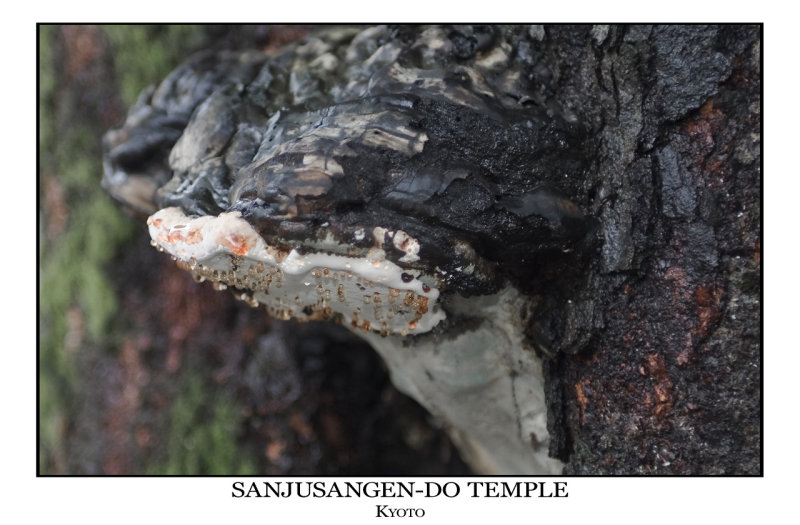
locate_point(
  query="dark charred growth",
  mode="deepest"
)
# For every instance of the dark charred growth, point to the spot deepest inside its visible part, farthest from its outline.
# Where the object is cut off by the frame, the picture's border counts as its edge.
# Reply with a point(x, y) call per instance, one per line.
point(323, 139)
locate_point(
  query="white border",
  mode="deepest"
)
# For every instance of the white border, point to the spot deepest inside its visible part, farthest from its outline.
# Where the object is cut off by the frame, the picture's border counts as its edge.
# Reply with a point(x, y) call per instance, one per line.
point(626, 500)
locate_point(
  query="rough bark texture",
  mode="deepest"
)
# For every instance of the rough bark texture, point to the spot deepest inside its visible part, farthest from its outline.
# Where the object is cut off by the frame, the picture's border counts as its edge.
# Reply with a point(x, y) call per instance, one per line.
point(669, 381)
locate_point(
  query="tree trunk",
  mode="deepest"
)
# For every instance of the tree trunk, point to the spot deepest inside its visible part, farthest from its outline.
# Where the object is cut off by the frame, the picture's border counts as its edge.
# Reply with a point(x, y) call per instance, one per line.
point(669, 379)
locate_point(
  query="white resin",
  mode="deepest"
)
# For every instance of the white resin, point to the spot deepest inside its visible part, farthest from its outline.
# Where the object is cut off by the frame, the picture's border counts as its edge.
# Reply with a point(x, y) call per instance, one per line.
point(370, 293)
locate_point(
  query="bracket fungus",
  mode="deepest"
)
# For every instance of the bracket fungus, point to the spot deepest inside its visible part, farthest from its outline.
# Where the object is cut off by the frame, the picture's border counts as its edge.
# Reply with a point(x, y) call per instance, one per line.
point(404, 181)
point(370, 293)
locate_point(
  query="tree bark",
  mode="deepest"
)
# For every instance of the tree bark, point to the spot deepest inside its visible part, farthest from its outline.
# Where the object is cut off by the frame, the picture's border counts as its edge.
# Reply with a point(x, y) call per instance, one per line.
point(669, 378)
